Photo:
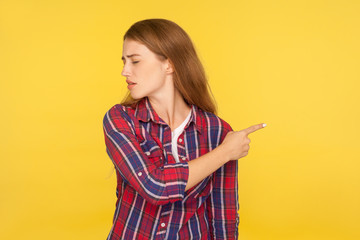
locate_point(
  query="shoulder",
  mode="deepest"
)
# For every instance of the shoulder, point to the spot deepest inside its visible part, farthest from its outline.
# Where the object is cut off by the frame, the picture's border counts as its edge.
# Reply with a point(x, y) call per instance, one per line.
point(118, 110)
point(213, 127)
point(213, 121)
point(118, 117)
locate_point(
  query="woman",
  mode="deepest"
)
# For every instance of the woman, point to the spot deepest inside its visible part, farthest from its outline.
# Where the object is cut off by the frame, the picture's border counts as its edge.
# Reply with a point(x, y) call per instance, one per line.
point(176, 161)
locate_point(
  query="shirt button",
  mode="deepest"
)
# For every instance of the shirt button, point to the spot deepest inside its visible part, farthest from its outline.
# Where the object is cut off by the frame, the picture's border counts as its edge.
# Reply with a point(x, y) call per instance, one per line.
point(139, 174)
point(184, 158)
point(162, 225)
point(180, 140)
point(147, 153)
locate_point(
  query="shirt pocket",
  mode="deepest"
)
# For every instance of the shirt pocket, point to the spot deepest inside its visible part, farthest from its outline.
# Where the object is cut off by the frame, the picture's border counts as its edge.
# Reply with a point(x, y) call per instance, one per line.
point(153, 152)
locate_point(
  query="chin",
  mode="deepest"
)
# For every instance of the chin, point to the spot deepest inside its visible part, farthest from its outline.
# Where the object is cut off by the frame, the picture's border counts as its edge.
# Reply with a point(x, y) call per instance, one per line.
point(136, 96)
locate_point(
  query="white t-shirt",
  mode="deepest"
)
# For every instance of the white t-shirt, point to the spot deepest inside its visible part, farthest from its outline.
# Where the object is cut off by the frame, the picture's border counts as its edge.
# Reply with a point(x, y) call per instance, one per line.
point(175, 135)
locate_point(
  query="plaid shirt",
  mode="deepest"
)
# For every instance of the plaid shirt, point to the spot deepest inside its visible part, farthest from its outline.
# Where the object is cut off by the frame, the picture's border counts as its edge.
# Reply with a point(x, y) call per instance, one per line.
point(152, 202)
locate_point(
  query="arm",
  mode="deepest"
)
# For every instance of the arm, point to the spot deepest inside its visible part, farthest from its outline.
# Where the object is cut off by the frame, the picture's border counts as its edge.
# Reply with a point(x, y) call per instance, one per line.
point(169, 182)
point(205, 165)
point(157, 185)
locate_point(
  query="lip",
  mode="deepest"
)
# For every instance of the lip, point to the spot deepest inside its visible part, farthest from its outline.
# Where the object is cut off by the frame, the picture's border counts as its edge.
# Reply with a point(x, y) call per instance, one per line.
point(130, 84)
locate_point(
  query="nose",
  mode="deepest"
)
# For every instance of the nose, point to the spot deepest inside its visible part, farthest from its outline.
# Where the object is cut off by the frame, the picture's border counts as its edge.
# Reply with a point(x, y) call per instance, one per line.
point(125, 71)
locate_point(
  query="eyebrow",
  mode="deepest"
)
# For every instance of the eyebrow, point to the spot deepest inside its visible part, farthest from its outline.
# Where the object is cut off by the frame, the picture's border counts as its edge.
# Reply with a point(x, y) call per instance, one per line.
point(129, 56)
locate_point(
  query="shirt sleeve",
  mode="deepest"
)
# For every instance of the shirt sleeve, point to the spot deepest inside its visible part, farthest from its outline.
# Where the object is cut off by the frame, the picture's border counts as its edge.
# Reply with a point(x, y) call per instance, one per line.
point(158, 185)
point(223, 203)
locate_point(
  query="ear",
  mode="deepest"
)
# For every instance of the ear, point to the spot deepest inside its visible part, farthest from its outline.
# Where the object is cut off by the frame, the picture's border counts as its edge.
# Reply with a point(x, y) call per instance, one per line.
point(168, 66)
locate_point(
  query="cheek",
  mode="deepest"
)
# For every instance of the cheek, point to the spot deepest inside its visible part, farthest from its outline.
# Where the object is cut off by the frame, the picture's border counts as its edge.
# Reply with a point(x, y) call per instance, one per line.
point(153, 74)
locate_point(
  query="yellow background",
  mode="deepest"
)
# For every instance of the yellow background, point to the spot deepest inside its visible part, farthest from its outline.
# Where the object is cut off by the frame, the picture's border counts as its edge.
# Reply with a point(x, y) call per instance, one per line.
point(291, 64)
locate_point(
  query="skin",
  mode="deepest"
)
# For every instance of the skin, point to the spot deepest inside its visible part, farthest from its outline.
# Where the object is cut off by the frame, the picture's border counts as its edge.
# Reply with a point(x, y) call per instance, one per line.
point(152, 76)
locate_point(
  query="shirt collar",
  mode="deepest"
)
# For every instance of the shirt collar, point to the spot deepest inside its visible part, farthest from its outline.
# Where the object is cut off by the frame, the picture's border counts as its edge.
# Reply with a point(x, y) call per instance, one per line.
point(144, 112)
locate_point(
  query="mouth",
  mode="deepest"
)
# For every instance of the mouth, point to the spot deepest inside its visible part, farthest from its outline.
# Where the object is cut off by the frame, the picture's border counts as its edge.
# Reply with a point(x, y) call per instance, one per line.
point(130, 84)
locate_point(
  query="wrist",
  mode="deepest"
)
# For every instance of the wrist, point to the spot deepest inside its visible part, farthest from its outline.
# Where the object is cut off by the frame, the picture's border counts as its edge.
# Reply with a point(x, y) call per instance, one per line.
point(223, 154)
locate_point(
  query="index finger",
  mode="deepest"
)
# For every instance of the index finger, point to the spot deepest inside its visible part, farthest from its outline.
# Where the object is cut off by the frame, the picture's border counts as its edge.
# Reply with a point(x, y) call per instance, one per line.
point(254, 128)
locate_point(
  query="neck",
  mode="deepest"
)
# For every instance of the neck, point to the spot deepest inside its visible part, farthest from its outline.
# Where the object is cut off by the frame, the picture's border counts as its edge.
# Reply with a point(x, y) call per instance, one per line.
point(170, 107)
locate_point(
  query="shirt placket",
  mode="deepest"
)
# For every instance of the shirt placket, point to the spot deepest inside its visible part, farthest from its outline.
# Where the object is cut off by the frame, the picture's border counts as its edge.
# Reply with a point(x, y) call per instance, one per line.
point(181, 147)
point(164, 221)
point(166, 209)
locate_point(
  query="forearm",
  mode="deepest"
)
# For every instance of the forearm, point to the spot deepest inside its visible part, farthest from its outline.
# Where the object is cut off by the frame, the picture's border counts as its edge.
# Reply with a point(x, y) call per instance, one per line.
point(205, 165)
point(158, 185)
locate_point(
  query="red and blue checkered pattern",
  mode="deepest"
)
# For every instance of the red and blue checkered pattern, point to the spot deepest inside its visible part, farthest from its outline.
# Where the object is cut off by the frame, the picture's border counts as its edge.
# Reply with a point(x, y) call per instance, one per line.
point(152, 202)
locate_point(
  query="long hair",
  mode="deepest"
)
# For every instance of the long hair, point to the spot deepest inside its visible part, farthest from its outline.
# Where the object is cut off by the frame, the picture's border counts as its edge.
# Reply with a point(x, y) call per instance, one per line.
point(168, 40)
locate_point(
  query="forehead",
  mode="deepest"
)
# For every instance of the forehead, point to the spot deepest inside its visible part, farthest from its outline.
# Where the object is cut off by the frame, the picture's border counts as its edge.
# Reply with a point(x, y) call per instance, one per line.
point(131, 47)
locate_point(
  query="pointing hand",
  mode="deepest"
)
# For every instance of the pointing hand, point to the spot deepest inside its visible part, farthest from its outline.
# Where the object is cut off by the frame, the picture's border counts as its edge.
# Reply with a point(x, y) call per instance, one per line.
point(236, 143)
